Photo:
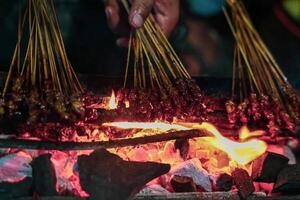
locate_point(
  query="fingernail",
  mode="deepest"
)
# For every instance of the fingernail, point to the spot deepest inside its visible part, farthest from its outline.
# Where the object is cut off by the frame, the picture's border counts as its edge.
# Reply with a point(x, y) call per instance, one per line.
point(137, 20)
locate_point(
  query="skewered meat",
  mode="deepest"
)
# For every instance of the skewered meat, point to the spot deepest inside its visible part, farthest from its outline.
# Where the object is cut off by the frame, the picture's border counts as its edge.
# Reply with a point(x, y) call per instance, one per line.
point(261, 110)
point(184, 100)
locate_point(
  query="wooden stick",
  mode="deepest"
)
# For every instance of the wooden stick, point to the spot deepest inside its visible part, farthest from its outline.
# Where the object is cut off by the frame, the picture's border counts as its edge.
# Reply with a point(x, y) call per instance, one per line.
point(67, 146)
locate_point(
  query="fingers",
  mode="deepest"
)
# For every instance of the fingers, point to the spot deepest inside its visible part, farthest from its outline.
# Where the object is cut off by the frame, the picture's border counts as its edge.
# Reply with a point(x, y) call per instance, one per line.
point(123, 42)
point(166, 13)
point(112, 13)
point(139, 12)
point(116, 22)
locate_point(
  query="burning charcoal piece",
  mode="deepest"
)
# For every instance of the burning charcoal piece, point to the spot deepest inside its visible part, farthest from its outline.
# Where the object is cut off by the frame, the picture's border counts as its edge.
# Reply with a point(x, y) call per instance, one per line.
point(288, 180)
point(106, 176)
point(44, 178)
point(15, 167)
point(15, 189)
point(183, 184)
point(266, 167)
point(224, 182)
point(283, 150)
point(15, 175)
point(193, 169)
point(183, 146)
point(153, 190)
point(243, 182)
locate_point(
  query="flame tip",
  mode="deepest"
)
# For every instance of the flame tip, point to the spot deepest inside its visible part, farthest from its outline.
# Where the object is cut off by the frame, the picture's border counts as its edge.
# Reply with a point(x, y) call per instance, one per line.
point(113, 103)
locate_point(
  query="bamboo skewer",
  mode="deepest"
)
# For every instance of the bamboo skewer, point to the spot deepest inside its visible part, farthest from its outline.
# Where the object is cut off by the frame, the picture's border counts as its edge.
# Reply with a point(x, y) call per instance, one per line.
point(153, 57)
point(45, 58)
point(254, 67)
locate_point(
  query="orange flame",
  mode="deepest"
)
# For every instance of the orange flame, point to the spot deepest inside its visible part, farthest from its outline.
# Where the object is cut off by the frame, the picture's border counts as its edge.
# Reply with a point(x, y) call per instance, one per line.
point(113, 103)
point(246, 134)
point(240, 152)
point(127, 104)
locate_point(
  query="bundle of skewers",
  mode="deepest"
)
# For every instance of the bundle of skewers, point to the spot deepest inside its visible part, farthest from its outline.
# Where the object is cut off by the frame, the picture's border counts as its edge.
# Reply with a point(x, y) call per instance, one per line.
point(162, 88)
point(265, 95)
point(41, 84)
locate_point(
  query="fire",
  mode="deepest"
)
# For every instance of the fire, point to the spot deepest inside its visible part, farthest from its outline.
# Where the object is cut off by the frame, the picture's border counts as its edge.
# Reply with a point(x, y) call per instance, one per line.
point(240, 152)
point(127, 104)
point(113, 103)
point(246, 134)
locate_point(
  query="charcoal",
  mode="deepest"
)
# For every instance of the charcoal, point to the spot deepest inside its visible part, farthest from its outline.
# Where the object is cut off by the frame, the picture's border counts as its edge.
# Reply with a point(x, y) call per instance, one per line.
point(10, 190)
point(266, 167)
point(243, 182)
point(15, 175)
point(183, 184)
point(288, 180)
point(65, 165)
point(15, 167)
point(106, 176)
point(183, 146)
point(44, 178)
point(193, 169)
point(224, 182)
point(283, 150)
point(153, 189)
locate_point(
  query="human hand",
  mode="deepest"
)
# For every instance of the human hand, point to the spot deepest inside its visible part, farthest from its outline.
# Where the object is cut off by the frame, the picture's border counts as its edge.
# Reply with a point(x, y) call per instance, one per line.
point(165, 12)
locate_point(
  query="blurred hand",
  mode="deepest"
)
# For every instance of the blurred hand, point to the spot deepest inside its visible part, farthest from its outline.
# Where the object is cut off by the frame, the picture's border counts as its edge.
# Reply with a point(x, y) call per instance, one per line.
point(166, 14)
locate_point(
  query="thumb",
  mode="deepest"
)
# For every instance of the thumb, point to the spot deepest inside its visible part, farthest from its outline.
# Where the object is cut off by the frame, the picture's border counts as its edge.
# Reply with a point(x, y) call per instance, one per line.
point(139, 12)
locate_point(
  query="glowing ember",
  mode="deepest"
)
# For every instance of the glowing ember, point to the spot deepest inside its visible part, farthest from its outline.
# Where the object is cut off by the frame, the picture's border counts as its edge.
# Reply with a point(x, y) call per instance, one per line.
point(240, 152)
point(113, 103)
point(160, 126)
